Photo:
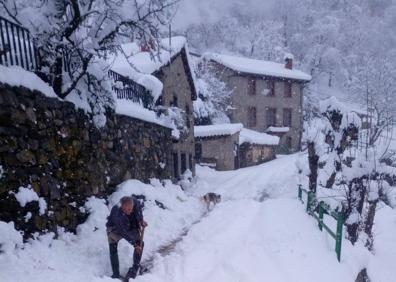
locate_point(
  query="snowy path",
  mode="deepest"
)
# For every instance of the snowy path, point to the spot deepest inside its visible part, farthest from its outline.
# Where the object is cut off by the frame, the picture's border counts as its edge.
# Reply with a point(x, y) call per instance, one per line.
point(245, 239)
point(259, 232)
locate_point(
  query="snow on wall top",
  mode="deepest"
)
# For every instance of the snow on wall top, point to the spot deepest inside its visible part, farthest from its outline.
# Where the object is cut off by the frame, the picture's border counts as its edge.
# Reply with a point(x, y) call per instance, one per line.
point(259, 138)
point(135, 110)
point(247, 65)
point(217, 129)
point(17, 76)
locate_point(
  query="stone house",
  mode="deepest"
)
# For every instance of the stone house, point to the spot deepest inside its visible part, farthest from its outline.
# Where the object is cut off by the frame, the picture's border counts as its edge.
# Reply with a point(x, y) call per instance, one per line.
point(170, 66)
point(230, 146)
point(266, 96)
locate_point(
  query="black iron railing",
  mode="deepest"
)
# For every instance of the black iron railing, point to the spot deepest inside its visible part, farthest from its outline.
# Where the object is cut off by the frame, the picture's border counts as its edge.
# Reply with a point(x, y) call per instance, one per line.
point(131, 90)
point(16, 46)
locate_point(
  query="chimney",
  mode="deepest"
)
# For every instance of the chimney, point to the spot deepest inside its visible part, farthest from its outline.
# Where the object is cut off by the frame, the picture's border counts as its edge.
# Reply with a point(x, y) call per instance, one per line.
point(288, 61)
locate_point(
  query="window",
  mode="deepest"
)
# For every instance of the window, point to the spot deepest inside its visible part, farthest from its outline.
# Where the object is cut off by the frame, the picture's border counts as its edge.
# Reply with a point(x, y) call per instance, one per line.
point(188, 116)
point(252, 86)
point(271, 87)
point(287, 117)
point(252, 116)
point(198, 151)
point(289, 142)
point(190, 161)
point(288, 89)
point(175, 165)
point(183, 163)
point(174, 102)
point(271, 117)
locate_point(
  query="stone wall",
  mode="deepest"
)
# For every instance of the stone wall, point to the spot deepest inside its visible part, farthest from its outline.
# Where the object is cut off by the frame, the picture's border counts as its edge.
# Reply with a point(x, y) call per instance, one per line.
point(56, 149)
point(252, 154)
point(175, 79)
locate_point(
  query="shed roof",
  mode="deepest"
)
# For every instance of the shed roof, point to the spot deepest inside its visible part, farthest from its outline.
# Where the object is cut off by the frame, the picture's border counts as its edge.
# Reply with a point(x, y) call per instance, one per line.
point(217, 129)
point(258, 138)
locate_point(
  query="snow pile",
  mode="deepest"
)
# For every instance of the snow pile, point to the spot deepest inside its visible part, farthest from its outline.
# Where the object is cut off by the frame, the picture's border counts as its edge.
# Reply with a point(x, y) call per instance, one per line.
point(27, 195)
point(217, 129)
point(246, 65)
point(276, 129)
point(259, 138)
point(17, 76)
point(9, 239)
point(85, 256)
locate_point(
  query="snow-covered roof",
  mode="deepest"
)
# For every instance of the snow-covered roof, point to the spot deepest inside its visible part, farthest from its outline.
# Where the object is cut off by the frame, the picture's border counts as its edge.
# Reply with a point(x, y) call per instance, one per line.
point(258, 67)
point(276, 129)
point(217, 129)
point(132, 62)
point(255, 137)
point(147, 63)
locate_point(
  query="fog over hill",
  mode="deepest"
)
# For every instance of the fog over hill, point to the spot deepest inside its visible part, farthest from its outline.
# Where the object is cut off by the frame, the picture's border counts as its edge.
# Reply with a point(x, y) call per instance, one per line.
point(349, 47)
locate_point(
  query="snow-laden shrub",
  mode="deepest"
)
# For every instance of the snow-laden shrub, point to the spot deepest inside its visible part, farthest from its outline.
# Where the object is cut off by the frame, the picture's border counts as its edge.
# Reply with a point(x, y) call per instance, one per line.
point(213, 96)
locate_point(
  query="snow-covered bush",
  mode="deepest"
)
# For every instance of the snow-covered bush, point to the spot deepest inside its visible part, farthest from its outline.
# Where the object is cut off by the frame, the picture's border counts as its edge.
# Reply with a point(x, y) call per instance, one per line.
point(346, 172)
point(213, 96)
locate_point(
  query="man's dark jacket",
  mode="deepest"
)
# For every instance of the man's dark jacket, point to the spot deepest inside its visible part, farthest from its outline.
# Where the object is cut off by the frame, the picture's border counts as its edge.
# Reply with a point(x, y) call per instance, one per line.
point(126, 226)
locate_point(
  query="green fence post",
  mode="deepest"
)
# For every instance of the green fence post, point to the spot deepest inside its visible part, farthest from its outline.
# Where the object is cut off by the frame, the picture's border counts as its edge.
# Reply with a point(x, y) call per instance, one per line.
point(340, 222)
point(309, 200)
point(321, 211)
point(299, 192)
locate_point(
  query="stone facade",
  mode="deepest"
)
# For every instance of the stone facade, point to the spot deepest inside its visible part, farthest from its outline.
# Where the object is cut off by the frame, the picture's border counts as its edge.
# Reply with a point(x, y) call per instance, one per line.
point(221, 150)
point(56, 149)
point(179, 91)
point(244, 102)
point(253, 154)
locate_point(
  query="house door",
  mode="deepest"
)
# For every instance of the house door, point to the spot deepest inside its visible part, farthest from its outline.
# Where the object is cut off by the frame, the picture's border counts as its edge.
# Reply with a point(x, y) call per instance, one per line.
point(176, 166)
point(236, 156)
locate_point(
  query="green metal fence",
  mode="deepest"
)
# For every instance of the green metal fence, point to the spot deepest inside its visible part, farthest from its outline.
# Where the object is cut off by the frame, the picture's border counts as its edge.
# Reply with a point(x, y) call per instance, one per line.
point(318, 212)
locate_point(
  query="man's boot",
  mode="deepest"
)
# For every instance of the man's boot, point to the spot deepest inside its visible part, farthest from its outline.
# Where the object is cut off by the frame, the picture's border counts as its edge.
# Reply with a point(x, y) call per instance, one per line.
point(132, 272)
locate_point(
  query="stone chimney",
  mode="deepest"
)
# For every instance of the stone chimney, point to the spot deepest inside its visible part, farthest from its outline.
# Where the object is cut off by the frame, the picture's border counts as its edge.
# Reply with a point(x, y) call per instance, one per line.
point(288, 61)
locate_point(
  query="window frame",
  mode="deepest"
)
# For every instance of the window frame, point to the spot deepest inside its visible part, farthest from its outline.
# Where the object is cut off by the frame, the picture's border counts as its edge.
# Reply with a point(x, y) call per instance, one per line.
point(252, 116)
point(288, 91)
point(271, 119)
point(289, 116)
point(252, 86)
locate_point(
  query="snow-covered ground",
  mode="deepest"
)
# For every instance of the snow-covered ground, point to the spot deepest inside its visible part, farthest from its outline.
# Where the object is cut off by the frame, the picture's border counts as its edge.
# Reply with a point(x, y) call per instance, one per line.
point(259, 232)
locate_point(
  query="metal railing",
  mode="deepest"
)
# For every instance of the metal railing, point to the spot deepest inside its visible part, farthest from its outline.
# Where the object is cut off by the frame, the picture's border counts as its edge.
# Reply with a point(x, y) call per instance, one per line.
point(131, 90)
point(319, 213)
point(16, 46)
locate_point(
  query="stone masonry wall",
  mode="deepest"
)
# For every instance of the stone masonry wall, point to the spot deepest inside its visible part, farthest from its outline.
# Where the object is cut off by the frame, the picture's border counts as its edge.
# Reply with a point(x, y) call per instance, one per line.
point(55, 149)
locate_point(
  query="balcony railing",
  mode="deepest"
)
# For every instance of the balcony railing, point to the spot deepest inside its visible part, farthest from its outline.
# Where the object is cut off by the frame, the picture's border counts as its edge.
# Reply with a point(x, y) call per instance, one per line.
point(16, 46)
point(131, 90)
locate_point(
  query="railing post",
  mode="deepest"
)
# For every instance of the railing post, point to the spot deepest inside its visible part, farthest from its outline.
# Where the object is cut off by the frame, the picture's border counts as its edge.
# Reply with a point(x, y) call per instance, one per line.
point(321, 211)
point(340, 222)
point(299, 192)
point(309, 201)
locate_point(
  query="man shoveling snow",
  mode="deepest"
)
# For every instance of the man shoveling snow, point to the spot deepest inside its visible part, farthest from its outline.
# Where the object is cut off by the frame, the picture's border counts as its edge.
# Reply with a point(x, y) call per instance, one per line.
point(126, 222)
